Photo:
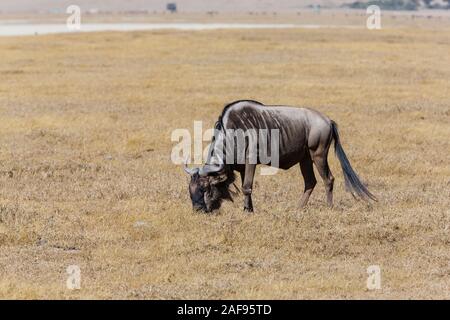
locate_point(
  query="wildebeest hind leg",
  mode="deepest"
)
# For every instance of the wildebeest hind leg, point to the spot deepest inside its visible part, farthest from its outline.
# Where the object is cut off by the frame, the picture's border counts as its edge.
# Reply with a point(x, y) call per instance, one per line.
point(306, 166)
point(321, 162)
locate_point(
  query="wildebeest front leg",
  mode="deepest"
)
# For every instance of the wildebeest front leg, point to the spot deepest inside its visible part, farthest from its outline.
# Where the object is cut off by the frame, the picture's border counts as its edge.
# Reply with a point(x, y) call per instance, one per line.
point(247, 185)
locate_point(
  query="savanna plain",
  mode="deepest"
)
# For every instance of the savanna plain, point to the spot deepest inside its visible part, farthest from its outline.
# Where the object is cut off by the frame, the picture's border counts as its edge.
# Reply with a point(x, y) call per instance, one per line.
point(86, 176)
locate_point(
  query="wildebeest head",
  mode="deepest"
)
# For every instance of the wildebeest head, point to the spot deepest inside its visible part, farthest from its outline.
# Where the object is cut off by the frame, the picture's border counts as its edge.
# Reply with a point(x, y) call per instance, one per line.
point(209, 186)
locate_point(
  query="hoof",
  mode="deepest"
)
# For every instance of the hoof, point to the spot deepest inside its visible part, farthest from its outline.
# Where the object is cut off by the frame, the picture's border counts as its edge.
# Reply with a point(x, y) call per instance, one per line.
point(248, 209)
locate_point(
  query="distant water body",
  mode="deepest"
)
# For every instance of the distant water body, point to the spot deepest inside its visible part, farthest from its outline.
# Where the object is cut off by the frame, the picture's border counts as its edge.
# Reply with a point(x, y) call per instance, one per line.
point(26, 29)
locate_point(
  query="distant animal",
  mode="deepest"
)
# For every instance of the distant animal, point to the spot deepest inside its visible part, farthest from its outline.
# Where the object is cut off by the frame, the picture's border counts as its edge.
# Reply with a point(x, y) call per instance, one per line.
point(305, 136)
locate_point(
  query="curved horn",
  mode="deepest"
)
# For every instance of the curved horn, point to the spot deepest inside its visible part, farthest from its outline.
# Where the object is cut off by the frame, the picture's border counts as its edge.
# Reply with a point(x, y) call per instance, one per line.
point(211, 168)
point(190, 171)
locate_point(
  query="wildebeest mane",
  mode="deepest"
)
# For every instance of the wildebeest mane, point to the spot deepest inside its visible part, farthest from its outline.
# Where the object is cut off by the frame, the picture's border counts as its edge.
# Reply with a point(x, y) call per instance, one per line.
point(219, 122)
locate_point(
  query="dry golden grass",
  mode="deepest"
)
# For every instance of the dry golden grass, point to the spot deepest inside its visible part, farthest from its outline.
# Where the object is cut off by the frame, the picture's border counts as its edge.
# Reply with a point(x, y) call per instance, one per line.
point(86, 176)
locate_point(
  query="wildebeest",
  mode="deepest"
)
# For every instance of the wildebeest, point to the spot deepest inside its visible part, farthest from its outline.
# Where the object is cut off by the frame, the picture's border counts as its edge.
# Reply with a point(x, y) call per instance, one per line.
point(305, 136)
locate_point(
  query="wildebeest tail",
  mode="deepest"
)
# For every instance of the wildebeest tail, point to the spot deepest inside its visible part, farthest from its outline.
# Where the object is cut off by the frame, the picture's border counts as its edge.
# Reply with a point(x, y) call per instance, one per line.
point(352, 182)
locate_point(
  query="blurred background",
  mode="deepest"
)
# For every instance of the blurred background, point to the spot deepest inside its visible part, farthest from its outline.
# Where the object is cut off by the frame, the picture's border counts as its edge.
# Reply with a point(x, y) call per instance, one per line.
point(151, 6)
